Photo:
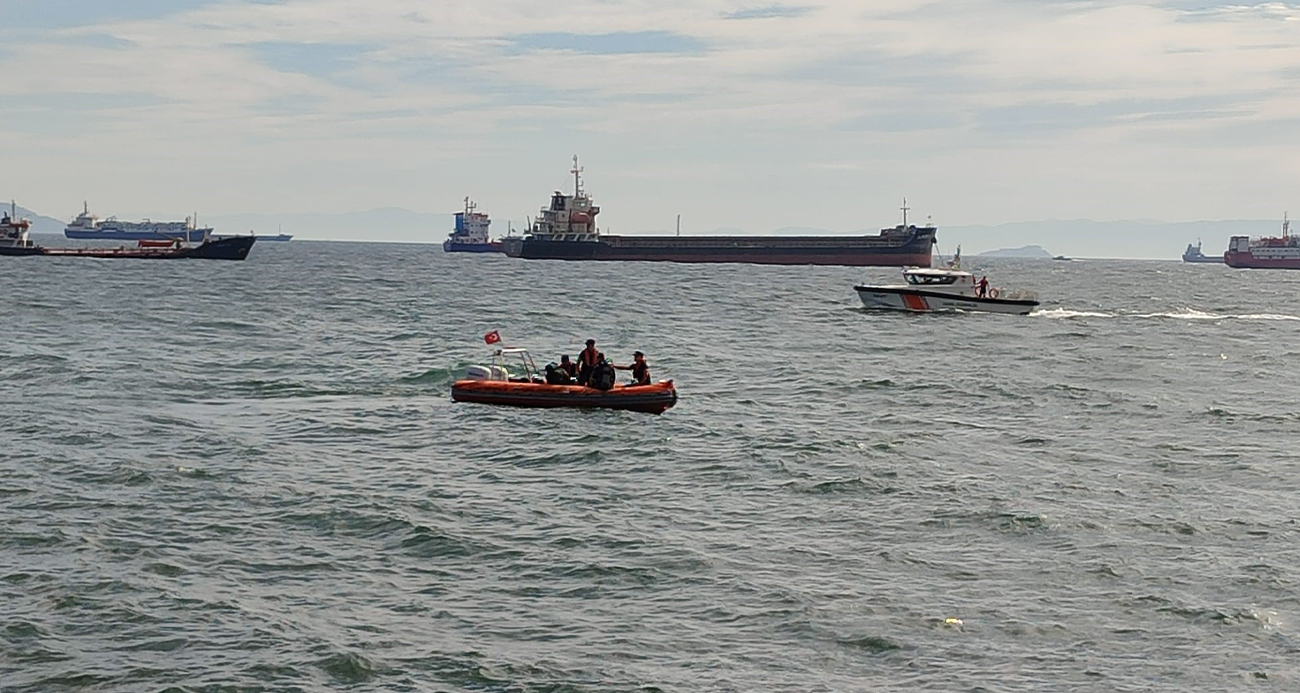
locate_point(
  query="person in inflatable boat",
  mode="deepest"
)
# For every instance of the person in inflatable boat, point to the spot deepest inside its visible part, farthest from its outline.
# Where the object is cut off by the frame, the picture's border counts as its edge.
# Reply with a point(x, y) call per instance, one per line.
point(587, 361)
point(602, 376)
point(640, 369)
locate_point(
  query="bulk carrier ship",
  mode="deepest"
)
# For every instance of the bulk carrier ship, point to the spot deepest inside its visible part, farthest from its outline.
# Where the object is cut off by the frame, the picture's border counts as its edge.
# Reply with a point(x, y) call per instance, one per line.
point(567, 231)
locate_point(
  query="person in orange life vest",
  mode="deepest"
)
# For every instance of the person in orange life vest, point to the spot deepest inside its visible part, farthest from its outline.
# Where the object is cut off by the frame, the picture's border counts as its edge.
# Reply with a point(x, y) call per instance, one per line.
point(568, 366)
point(640, 369)
point(983, 289)
point(587, 361)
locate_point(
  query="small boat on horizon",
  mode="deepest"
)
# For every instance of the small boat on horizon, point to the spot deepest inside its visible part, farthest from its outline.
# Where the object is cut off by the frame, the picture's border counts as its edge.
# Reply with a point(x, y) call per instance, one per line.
point(927, 290)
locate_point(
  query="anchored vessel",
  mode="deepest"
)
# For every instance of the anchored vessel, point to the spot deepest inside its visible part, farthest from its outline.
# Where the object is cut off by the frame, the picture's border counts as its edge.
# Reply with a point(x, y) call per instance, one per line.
point(1194, 254)
point(471, 233)
point(1271, 252)
point(566, 230)
point(14, 240)
point(87, 226)
point(926, 290)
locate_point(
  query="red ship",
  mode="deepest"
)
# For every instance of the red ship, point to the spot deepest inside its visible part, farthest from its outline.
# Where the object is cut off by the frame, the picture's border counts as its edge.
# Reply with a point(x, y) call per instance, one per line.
point(1270, 252)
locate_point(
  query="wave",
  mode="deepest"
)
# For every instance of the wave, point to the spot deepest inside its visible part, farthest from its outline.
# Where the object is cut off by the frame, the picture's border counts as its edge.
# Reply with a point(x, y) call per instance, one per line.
point(1186, 314)
point(433, 376)
point(1057, 313)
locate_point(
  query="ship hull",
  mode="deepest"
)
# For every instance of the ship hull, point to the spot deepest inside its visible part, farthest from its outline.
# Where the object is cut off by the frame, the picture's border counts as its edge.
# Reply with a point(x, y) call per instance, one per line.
point(915, 301)
point(279, 238)
point(190, 236)
point(236, 248)
point(820, 250)
point(1249, 261)
point(454, 247)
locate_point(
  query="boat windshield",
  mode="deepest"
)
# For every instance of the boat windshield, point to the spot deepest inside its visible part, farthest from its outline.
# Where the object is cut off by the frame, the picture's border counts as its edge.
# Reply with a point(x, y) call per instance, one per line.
point(931, 279)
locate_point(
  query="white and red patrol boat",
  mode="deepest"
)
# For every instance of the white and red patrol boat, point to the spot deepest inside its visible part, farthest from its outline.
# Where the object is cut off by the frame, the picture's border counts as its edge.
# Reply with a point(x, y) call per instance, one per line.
point(928, 290)
point(1269, 252)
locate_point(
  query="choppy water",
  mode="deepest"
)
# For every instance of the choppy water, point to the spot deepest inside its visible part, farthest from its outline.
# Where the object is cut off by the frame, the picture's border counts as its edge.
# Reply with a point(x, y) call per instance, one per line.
point(241, 477)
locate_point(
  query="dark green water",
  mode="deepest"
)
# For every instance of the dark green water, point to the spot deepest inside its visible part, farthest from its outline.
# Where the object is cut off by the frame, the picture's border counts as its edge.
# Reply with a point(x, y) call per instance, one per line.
point(250, 476)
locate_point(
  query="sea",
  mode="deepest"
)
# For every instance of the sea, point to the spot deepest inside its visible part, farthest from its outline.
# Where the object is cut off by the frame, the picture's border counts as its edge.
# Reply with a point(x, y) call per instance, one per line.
point(220, 476)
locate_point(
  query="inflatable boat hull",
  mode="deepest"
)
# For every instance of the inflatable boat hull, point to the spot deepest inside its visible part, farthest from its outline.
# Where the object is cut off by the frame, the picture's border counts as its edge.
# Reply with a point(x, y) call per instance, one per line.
point(651, 399)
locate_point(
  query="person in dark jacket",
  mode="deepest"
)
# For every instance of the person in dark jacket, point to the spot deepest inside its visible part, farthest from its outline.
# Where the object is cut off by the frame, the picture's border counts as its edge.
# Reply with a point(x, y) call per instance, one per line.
point(602, 376)
point(568, 366)
point(640, 369)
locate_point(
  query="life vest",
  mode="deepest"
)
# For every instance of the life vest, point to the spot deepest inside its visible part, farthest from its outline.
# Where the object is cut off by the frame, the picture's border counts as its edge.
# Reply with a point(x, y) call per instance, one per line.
point(588, 357)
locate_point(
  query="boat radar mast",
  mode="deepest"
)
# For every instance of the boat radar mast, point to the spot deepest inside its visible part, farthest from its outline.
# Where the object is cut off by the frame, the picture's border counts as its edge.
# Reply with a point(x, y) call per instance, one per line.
point(577, 177)
point(905, 208)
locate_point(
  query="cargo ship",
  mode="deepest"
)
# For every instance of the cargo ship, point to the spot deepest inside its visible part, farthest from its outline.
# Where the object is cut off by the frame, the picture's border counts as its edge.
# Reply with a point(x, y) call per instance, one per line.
point(567, 231)
point(1194, 254)
point(1270, 252)
point(470, 235)
point(15, 241)
point(89, 227)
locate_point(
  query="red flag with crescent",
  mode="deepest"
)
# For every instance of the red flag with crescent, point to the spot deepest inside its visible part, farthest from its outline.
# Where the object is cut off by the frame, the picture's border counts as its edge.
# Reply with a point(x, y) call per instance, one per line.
point(492, 337)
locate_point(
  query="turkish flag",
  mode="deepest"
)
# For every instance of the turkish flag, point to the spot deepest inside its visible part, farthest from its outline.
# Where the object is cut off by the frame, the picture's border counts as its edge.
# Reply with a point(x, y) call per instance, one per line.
point(492, 337)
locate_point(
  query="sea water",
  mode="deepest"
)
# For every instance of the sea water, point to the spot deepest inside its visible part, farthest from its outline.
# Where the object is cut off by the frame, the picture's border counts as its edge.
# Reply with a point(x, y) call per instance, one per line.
point(250, 476)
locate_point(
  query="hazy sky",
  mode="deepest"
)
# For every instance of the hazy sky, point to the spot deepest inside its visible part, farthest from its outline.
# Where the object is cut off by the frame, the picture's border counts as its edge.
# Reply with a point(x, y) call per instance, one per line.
point(734, 114)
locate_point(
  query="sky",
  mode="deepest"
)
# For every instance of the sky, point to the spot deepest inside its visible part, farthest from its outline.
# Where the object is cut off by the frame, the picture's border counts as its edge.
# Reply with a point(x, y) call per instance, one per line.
point(736, 115)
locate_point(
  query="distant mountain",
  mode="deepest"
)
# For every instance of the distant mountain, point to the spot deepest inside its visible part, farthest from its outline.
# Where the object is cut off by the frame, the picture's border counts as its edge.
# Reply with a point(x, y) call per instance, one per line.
point(1026, 251)
point(40, 224)
point(1116, 239)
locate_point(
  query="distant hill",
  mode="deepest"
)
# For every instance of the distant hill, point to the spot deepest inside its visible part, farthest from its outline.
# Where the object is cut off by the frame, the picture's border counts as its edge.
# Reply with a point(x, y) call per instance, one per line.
point(1027, 251)
point(1115, 239)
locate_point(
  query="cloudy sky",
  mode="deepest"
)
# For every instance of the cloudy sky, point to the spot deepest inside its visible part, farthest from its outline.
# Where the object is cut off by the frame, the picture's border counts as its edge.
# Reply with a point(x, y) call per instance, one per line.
point(734, 114)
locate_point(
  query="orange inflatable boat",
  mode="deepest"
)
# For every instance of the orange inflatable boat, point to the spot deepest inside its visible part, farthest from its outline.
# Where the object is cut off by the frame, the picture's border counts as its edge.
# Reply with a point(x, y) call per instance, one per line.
point(494, 385)
point(651, 399)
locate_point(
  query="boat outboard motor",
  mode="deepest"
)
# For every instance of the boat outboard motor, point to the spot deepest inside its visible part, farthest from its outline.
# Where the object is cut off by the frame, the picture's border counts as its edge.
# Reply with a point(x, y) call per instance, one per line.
point(478, 373)
point(486, 373)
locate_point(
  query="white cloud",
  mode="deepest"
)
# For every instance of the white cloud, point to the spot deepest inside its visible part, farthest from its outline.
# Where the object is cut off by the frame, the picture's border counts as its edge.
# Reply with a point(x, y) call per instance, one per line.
point(842, 106)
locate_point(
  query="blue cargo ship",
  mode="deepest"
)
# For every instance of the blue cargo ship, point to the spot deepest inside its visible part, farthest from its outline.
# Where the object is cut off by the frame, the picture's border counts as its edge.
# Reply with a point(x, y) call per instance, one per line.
point(471, 233)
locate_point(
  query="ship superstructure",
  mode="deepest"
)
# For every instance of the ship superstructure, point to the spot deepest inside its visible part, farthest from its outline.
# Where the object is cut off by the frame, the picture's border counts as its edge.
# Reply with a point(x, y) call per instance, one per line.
point(470, 234)
point(14, 230)
point(87, 226)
